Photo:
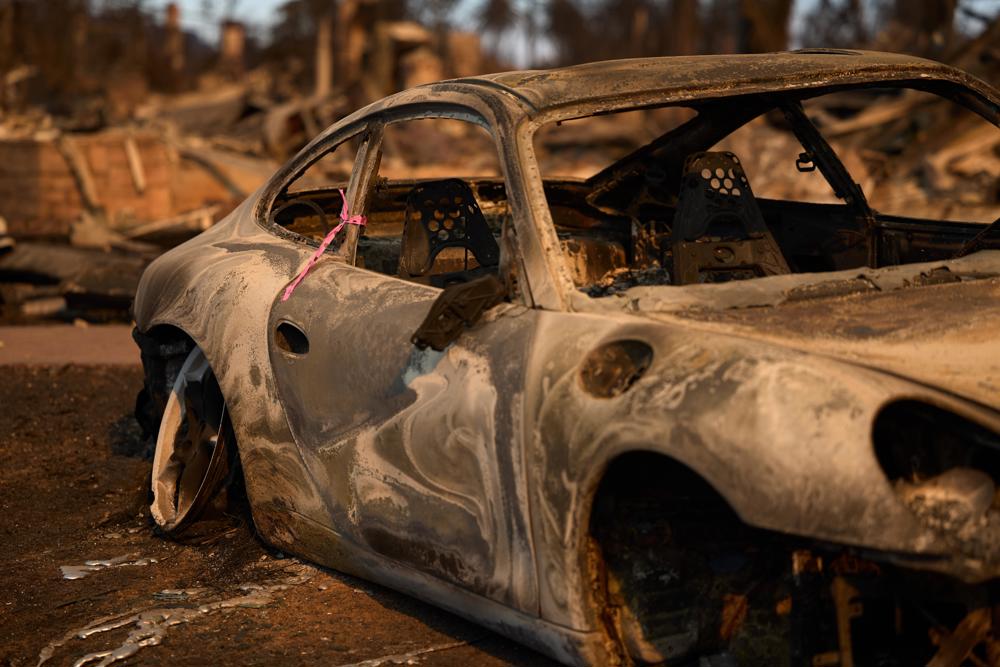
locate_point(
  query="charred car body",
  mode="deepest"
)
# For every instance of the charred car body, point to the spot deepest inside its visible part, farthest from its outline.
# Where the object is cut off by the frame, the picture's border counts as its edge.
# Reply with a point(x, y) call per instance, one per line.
point(645, 415)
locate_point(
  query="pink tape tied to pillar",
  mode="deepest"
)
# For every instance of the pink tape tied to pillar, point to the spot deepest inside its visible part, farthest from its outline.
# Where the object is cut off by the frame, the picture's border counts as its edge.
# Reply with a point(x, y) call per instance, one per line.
point(345, 219)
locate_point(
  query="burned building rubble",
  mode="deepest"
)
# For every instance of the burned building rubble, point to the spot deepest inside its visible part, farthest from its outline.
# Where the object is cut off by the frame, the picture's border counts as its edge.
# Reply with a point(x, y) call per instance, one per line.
point(154, 156)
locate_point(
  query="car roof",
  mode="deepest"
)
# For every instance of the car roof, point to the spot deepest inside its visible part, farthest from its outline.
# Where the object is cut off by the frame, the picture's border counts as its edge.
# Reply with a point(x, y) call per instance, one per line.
point(678, 79)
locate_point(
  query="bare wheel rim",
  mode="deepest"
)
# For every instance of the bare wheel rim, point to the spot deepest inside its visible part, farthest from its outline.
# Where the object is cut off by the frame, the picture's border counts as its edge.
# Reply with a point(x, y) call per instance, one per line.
point(190, 461)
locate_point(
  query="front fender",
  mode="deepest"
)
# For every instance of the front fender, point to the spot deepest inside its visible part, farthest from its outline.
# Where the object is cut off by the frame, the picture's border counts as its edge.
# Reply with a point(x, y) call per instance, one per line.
point(785, 437)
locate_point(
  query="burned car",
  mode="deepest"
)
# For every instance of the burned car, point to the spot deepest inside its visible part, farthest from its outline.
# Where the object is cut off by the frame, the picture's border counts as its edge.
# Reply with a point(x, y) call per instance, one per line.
point(642, 414)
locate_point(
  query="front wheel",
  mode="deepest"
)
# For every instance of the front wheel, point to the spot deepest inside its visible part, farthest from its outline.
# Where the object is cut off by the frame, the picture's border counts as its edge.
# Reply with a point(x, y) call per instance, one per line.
point(194, 446)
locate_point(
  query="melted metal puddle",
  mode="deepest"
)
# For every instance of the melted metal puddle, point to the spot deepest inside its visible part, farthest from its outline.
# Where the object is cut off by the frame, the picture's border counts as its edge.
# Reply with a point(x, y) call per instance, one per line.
point(150, 625)
point(411, 658)
point(91, 566)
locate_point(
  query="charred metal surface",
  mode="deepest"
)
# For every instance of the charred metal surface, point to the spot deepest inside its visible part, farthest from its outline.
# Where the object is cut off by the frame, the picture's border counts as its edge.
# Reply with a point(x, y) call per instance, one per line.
point(477, 475)
point(913, 321)
point(584, 88)
point(424, 475)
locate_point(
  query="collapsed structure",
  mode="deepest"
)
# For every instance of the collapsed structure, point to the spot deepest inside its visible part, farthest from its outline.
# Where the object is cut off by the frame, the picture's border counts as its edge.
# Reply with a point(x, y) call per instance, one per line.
point(139, 173)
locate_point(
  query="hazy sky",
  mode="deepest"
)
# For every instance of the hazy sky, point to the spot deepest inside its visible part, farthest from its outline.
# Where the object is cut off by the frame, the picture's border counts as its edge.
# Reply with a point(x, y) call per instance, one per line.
point(259, 13)
point(193, 16)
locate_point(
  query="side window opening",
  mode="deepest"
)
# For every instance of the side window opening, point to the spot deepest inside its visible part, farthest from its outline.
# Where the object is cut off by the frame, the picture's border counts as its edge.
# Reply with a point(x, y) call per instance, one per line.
point(609, 224)
point(439, 205)
point(310, 204)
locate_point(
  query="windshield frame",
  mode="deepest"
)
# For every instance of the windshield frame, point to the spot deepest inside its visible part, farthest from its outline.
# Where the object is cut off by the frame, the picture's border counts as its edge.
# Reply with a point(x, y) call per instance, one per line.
point(981, 99)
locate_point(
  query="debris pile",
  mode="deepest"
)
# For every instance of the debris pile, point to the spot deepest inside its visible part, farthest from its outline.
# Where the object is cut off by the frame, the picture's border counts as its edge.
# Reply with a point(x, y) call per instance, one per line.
point(94, 188)
point(85, 212)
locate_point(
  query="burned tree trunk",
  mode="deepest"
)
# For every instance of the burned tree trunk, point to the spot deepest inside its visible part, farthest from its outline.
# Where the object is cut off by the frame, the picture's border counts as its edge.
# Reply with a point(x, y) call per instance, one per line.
point(686, 28)
point(928, 25)
point(764, 25)
point(324, 55)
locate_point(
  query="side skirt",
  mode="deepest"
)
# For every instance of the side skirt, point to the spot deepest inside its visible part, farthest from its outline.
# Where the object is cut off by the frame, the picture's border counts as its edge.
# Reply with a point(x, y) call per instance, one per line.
point(305, 537)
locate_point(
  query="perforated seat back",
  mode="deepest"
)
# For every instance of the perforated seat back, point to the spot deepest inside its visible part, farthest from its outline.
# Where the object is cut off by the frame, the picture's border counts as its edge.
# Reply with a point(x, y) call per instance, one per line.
point(439, 215)
point(718, 231)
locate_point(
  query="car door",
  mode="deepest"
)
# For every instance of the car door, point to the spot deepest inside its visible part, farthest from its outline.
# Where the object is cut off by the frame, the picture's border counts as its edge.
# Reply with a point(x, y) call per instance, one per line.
point(418, 453)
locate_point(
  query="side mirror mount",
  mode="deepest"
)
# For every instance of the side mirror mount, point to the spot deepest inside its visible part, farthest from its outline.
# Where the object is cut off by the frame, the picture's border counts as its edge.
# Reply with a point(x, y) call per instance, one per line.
point(457, 308)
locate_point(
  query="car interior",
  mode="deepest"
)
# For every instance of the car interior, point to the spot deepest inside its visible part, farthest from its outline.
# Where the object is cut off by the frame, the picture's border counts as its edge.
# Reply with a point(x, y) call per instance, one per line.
point(435, 231)
point(675, 211)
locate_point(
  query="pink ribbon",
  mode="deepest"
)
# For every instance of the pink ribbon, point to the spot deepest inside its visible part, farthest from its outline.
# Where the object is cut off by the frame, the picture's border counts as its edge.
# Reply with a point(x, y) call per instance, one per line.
point(345, 219)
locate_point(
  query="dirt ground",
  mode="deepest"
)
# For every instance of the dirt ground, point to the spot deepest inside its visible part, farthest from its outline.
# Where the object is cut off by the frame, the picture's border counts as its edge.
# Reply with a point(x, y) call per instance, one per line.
point(72, 489)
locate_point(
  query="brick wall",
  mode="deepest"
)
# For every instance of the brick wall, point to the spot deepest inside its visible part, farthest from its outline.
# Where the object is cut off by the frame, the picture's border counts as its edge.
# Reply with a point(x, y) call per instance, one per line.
point(37, 192)
point(39, 195)
point(114, 184)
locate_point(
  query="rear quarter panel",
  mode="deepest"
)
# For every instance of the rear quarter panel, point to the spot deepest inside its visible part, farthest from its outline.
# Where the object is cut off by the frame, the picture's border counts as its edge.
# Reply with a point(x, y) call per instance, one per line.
point(218, 288)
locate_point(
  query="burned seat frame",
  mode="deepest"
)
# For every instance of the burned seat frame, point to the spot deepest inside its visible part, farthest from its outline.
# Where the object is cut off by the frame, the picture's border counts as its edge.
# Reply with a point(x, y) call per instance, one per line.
point(719, 233)
point(445, 214)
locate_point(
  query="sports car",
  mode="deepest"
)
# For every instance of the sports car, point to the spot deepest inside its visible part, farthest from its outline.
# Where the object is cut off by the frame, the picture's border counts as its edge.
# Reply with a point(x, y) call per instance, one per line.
point(612, 401)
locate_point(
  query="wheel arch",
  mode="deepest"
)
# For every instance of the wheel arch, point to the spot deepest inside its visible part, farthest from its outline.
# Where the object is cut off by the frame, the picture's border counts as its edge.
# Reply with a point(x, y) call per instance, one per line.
point(645, 459)
point(163, 349)
point(164, 345)
point(648, 487)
